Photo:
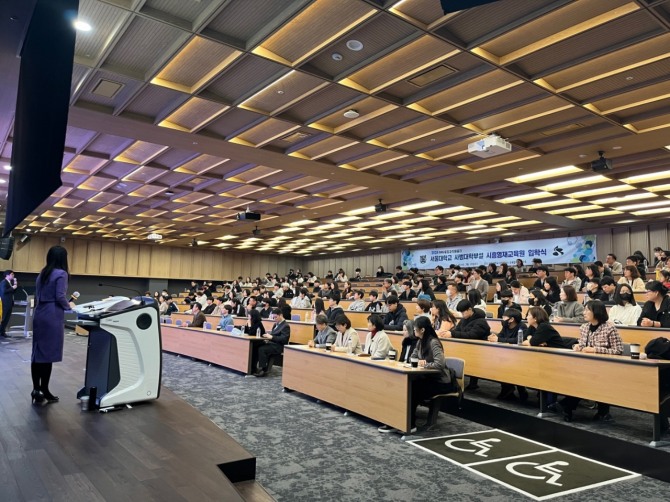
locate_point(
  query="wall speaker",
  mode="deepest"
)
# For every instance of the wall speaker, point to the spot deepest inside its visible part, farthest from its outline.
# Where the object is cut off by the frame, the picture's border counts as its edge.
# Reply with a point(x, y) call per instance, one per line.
point(6, 248)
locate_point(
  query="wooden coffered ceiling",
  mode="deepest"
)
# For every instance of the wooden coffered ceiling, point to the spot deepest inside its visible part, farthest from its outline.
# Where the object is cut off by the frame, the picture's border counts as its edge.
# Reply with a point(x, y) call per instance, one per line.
point(186, 112)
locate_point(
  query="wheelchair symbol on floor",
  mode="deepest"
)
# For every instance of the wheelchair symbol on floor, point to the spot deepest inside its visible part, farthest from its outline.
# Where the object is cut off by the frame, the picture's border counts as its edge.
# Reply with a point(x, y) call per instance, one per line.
point(482, 447)
point(550, 471)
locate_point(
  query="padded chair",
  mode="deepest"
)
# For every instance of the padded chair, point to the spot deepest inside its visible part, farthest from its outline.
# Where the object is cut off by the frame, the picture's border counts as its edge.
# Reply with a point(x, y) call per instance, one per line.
point(207, 325)
point(626, 349)
point(178, 322)
point(435, 402)
point(187, 323)
point(168, 321)
point(230, 327)
point(295, 317)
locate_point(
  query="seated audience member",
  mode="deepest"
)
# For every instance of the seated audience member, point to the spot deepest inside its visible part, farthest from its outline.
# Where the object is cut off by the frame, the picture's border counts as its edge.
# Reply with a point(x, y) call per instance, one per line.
point(399, 274)
point(199, 318)
point(603, 269)
point(334, 309)
point(507, 302)
point(540, 332)
point(571, 278)
point(597, 336)
point(551, 290)
point(542, 272)
point(441, 286)
point(631, 276)
point(302, 300)
point(537, 298)
point(500, 286)
point(374, 305)
point(510, 275)
point(357, 275)
point(162, 304)
point(226, 318)
point(485, 274)
point(377, 343)
point(324, 333)
point(642, 264)
point(664, 277)
point(472, 325)
point(425, 291)
point(275, 340)
point(454, 296)
point(358, 303)
point(407, 294)
point(347, 293)
point(380, 272)
point(218, 303)
point(387, 289)
point(519, 291)
point(316, 290)
point(474, 297)
point(591, 272)
point(568, 309)
point(519, 266)
point(613, 265)
point(656, 310)
point(409, 340)
point(658, 257)
point(268, 305)
point(347, 339)
point(287, 293)
point(511, 323)
point(319, 308)
point(253, 304)
point(422, 309)
point(325, 290)
point(172, 307)
point(479, 284)
point(430, 353)
point(396, 315)
point(609, 288)
point(201, 298)
point(594, 291)
point(209, 308)
point(439, 272)
point(443, 320)
point(341, 276)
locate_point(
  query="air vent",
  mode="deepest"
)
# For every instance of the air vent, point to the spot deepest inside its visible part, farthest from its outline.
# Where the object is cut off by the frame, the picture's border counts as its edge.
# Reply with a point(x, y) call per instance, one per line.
point(107, 88)
point(296, 136)
point(558, 130)
point(430, 76)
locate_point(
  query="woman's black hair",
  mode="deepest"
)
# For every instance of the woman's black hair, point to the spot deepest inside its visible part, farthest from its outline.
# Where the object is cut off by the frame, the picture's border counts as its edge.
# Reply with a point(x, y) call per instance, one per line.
point(475, 297)
point(539, 296)
point(255, 316)
point(56, 259)
point(443, 312)
point(617, 294)
point(599, 311)
point(377, 321)
point(319, 306)
point(428, 333)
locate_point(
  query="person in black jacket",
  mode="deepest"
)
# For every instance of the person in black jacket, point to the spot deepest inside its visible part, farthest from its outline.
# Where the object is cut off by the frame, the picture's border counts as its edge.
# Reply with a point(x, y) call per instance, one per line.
point(540, 333)
point(656, 310)
point(595, 292)
point(408, 294)
point(275, 340)
point(536, 298)
point(511, 323)
point(507, 299)
point(472, 325)
point(334, 309)
point(396, 315)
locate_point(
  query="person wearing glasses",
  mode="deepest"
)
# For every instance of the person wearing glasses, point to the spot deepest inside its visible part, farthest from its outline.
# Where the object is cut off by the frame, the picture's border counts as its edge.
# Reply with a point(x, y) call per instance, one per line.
point(656, 310)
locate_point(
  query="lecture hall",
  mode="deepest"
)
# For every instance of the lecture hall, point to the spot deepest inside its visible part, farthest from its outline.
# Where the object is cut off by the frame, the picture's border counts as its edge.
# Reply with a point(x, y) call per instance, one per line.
point(334, 250)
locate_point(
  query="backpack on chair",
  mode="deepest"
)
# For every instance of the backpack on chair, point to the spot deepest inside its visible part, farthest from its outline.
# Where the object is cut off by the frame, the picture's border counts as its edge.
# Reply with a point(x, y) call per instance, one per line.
point(658, 348)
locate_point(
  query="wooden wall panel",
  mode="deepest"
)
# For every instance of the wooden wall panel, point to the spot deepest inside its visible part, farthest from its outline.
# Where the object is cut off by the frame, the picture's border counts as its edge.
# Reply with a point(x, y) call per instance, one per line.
point(107, 259)
point(658, 237)
point(93, 257)
point(639, 241)
point(159, 266)
point(132, 260)
point(79, 257)
point(603, 242)
point(621, 243)
point(144, 261)
point(175, 263)
point(119, 262)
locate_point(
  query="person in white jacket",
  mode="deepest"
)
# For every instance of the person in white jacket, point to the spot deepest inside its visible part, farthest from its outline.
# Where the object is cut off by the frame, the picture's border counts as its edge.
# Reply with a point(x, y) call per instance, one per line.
point(626, 310)
point(377, 343)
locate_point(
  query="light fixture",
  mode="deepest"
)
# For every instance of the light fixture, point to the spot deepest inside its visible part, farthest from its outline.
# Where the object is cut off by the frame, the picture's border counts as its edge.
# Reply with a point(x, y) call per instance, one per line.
point(336, 56)
point(354, 45)
point(7, 167)
point(351, 114)
point(80, 25)
point(154, 236)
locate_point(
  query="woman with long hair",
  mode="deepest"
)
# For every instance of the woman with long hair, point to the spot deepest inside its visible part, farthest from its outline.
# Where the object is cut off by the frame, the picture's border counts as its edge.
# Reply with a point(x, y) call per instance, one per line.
point(443, 319)
point(48, 323)
point(552, 291)
point(631, 276)
point(510, 275)
point(569, 309)
point(536, 298)
point(500, 287)
point(626, 310)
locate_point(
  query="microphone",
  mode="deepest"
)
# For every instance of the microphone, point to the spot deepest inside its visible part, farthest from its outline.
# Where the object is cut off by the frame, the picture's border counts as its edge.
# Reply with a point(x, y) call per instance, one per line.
point(127, 289)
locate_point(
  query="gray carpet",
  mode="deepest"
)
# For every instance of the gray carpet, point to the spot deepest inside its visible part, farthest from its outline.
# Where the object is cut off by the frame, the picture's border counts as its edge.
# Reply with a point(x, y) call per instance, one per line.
point(311, 451)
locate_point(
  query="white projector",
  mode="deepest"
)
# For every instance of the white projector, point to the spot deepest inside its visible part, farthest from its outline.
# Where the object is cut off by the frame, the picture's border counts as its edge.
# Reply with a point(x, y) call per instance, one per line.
point(489, 147)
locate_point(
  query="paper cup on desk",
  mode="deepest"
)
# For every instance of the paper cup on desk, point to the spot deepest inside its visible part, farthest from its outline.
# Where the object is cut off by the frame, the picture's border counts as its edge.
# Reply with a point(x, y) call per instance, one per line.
point(414, 362)
point(329, 346)
point(84, 403)
point(635, 351)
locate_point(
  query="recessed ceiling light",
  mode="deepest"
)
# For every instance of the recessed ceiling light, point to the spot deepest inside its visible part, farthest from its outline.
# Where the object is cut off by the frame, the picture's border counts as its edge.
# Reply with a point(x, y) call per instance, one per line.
point(354, 45)
point(336, 56)
point(81, 25)
point(351, 114)
point(616, 148)
point(169, 192)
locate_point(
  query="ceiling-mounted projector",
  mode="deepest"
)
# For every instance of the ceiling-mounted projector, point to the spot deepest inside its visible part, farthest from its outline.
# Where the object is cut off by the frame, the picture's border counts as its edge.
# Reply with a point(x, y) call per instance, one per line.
point(380, 208)
point(490, 146)
point(249, 216)
point(602, 164)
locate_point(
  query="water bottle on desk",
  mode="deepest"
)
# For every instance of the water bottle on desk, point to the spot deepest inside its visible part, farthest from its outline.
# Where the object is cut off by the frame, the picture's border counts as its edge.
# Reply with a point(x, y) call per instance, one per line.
point(258, 332)
point(519, 337)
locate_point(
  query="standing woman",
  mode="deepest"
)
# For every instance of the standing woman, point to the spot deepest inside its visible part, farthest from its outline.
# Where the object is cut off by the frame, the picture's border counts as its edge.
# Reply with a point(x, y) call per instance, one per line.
point(48, 322)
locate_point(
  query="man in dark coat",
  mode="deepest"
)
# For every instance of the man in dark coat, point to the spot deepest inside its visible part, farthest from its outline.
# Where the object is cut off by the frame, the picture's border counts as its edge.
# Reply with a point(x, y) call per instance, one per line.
point(7, 288)
point(396, 315)
point(472, 325)
point(275, 340)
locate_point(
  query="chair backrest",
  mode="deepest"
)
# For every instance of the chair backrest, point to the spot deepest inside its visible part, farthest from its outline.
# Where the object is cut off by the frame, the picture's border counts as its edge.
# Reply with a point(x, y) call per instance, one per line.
point(187, 323)
point(295, 317)
point(178, 322)
point(168, 321)
point(207, 325)
point(230, 327)
point(626, 349)
point(458, 365)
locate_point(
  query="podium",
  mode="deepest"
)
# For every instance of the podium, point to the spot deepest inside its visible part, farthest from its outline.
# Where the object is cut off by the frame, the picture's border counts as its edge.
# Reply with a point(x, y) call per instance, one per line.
point(124, 358)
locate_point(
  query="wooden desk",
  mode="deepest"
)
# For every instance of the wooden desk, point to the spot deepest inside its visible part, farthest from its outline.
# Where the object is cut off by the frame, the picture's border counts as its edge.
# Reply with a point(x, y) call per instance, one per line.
point(217, 347)
point(212, 319)
point(616, 380)
point(380, 390)
point(301, 332)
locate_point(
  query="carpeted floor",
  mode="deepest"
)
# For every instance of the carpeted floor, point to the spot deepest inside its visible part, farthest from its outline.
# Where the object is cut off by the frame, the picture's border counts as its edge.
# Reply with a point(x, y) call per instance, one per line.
point(310, 451)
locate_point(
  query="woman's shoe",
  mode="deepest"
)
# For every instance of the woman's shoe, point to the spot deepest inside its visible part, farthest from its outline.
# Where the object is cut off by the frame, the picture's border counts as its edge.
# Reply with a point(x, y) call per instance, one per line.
point(50, 397)
point(38, 397)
